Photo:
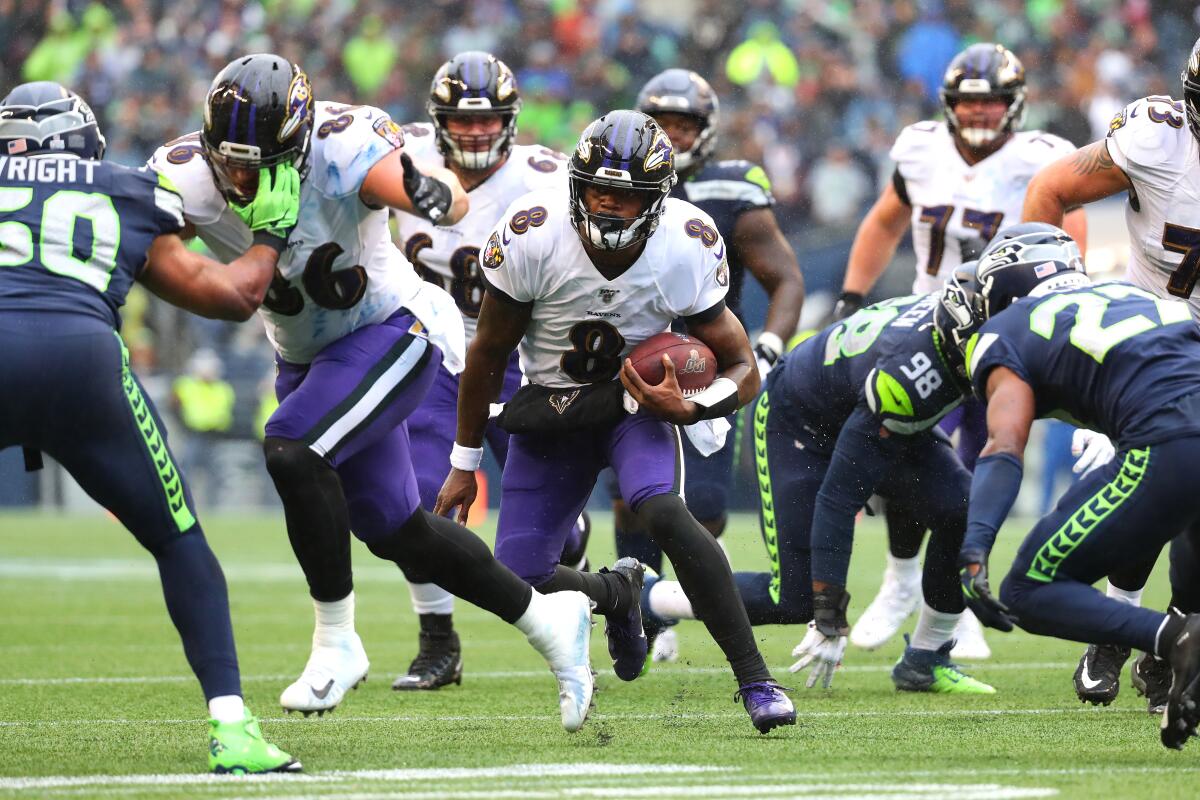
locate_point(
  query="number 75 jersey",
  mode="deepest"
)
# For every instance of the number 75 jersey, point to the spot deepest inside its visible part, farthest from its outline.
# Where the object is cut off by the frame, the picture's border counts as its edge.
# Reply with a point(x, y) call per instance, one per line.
point(448, 256)
point(958, 207)
point(582, 325)
point(1110, 357)
point(1150, 141)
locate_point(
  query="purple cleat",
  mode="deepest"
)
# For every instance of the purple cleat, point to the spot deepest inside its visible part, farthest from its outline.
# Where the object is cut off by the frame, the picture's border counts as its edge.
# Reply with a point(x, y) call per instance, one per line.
point(627, 642)
point(767, 705)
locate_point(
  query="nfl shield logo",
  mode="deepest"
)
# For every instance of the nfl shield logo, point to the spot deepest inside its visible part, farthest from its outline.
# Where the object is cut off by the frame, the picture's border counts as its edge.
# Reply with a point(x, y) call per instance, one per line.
point(607, 295)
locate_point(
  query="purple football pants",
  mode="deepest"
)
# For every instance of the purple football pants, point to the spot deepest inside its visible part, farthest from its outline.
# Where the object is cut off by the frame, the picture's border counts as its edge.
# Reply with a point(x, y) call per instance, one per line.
point(548, 478)
point(349, 406)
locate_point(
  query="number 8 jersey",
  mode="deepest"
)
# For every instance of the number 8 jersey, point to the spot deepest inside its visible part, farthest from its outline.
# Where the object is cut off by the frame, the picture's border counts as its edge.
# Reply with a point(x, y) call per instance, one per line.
point(340, 270)
point(958, 207)
point(448, 256)
point(582, 325)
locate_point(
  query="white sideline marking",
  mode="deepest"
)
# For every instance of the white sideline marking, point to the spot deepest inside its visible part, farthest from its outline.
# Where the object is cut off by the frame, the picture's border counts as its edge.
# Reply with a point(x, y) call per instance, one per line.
point(936, 791)
point(700, 715)
point(342, 776)
point(500, 674)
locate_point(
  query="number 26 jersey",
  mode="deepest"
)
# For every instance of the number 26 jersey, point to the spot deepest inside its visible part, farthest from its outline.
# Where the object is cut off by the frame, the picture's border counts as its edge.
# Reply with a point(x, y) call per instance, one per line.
point(582, 325)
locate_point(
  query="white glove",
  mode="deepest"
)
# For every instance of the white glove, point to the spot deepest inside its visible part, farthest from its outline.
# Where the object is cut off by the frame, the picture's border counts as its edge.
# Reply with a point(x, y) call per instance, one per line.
point(764, 366)
point(1090, 450)
point(823, 652)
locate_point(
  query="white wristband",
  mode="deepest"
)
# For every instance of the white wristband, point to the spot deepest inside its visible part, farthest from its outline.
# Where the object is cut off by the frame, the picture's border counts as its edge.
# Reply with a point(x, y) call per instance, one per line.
point(718, 390)
point(771, 341)
point(466, 458)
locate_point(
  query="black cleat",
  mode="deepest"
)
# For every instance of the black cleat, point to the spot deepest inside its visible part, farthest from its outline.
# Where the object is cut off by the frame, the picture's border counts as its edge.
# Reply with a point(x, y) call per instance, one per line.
point(626, 635)
point(1183, 700)
point(1152, 679)
point(1098, 676)
point(438, 663)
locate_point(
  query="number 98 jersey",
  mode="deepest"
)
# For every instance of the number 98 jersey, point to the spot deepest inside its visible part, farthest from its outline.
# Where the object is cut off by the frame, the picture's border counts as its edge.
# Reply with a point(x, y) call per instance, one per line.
point(582, 325)
point(340, 270)
point(1151, 143)
point(448, 256)
point(958, 207)
point(887, 357)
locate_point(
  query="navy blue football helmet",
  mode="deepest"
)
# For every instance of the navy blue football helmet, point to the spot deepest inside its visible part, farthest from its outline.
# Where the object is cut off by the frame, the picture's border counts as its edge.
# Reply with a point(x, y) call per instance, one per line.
point(46, 117)
point(474, 83)
point(1190, 76)
point(955, 317)
point(681, 91)
point(258, 113)
point(1032, 258)
point(984, 71)
point(626, 150)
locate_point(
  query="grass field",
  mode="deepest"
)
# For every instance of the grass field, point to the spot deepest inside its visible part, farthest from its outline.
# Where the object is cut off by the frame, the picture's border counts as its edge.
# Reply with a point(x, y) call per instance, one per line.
point(97, 700)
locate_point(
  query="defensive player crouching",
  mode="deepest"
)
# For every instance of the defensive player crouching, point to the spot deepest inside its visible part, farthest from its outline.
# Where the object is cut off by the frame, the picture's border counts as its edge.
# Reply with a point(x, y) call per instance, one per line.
point(577, 281)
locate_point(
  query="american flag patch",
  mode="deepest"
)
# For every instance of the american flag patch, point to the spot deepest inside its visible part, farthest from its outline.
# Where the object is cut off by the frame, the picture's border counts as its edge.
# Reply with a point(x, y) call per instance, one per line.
point(1042, 270)
point(17, 146)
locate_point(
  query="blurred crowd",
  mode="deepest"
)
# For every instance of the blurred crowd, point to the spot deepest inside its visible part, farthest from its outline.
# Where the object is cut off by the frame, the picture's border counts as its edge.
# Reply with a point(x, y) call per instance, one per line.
point(815, 90)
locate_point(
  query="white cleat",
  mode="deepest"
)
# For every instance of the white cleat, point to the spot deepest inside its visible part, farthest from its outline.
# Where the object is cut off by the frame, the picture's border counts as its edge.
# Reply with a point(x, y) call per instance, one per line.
point(562, 633)
point(335, 667)
point(666, 646)
point(896, 602)
point(969, 643)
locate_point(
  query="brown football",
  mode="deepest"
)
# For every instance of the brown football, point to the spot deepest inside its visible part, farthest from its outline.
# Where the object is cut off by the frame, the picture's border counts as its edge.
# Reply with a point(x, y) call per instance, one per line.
point(695, 364)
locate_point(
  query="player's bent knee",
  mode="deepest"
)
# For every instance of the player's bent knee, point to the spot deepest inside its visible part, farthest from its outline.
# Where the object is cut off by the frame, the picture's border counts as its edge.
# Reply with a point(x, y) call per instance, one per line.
point(289, 461)
point(662, 514)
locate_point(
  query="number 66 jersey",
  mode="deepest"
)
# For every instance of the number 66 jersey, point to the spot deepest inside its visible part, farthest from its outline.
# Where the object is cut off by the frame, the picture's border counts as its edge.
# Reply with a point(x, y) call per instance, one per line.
point(340, 270)
point(582, 325)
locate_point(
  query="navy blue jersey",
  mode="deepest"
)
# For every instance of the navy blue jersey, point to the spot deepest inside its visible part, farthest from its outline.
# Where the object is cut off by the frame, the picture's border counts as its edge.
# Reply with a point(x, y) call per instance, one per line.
point(74, 233)
point(887, 357)
point(1110, 357)
point(725, 190)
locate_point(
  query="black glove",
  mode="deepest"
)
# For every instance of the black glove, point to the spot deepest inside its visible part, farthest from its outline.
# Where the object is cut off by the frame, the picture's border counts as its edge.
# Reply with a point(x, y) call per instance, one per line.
point(430, 197)
point(829, 611)
point(978, 594)
point(847, 304)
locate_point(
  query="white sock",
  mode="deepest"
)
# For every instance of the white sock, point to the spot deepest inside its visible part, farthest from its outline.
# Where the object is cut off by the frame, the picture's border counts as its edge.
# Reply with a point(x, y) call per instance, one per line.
point(334, 619)
point(528, 622)
point(905, 570)
point(1133, 597)
point(227, 708)
point(934, 628)
point(669, 602)
point(429, 598)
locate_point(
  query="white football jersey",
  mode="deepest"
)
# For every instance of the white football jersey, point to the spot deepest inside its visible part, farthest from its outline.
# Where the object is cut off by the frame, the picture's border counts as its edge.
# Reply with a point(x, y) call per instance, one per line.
point(1151, 142)
point(449, 256)
point(956, 204)
point(340, 270)
point(583, 325)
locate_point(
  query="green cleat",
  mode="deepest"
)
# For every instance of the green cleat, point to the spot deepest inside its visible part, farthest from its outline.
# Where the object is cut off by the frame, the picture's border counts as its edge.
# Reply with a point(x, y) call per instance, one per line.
point(933, 671)
point(238, 748)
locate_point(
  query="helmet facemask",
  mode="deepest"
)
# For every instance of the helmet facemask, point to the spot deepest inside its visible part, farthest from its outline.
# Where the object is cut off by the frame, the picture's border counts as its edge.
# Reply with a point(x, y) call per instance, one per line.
point(977, 137)
point(957, 317)
point(475, 151)
point(609, 232)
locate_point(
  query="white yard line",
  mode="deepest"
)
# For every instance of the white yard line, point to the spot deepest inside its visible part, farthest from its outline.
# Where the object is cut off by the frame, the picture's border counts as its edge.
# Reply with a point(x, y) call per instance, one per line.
point(501, 674)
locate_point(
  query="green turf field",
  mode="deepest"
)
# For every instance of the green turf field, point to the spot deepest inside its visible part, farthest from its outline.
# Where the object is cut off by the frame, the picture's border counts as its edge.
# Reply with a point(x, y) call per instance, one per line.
point(97, 700)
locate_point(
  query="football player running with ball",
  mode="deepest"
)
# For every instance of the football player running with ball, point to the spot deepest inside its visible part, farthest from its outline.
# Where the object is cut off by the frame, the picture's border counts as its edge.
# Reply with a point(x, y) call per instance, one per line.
point(473, 104)
point(360, 338)
point(956, 184)
point(737, 195)
point(66, 387)
point(1151, 152)
point(577, 279)
point(1126, 363)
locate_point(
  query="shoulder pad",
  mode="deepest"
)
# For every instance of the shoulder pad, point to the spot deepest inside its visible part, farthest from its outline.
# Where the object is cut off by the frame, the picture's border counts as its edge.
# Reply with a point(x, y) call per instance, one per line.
point(911, 392)
point(1148, 133)
point(918, 146)
point(420, 142)
point(182, 169)
point(737, 180)
point(540, 167)
point(1038, 148)
point(347, 142)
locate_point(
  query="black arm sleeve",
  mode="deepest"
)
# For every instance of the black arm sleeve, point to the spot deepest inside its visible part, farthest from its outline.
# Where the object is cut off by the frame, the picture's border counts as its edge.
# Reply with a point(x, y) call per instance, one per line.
point(901, 187)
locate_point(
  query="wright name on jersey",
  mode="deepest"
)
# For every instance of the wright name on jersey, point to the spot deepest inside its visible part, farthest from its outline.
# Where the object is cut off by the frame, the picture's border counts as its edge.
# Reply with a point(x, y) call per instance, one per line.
point(1149, 141)
point(583, 325)
point(340, 270)
point(958, 207)
point(449, 256)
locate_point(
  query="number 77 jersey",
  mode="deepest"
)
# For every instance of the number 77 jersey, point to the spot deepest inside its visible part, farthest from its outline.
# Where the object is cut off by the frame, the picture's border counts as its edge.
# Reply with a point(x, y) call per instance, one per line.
point(1110, 357)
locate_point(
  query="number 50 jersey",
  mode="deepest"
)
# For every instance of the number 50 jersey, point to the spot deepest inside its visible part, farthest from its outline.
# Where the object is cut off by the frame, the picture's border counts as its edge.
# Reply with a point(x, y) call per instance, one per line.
point(582, 325)
point(448, 256)
point(958, 207)
point(340, 270)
